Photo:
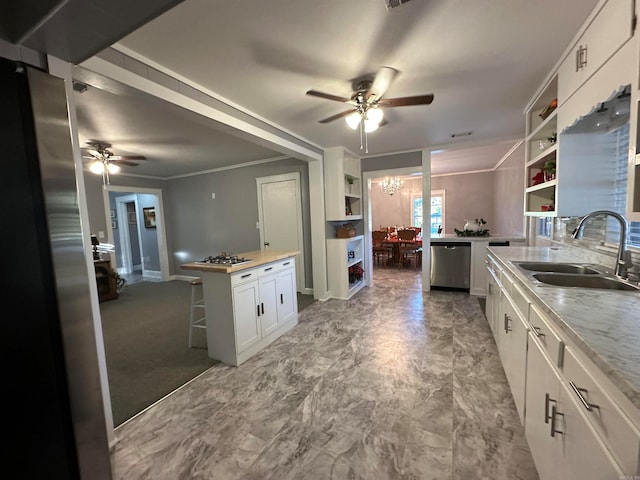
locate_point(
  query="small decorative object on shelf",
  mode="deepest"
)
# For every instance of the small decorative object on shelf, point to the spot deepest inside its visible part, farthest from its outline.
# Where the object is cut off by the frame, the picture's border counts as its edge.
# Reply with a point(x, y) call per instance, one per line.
point(548, 110)
point(549, 169)
point(356, 272)
point(538, 178)
point(345, 231)
point(473, 229)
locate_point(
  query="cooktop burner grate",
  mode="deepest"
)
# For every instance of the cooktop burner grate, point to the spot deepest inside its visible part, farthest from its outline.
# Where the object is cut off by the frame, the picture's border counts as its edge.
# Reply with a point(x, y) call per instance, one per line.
point(225, 259)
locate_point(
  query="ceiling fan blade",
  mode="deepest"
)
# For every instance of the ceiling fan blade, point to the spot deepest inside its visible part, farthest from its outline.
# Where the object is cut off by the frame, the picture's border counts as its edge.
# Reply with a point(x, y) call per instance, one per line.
point(124, 162)
point(381, 83)
point(328, 96)
point(93, 152)
point(406, 101)
point(131, 157)
point(336, 116)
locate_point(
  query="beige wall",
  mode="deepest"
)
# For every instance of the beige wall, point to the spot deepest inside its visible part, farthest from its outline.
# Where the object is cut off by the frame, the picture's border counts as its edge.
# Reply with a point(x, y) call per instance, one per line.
point(467, 196)
point(390, 210)
point(508, 198)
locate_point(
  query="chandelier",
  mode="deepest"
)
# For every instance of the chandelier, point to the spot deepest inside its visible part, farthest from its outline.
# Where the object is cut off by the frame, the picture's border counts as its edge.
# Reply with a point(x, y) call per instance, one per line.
point(368, 118)
point(391, 185)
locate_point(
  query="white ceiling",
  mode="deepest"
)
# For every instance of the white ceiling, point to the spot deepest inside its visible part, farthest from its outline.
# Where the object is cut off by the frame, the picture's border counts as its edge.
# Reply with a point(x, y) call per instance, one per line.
point(482, 60)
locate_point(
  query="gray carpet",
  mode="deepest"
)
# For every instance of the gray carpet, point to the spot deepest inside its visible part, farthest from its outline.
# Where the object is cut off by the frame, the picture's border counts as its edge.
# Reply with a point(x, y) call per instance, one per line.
point(146, 335)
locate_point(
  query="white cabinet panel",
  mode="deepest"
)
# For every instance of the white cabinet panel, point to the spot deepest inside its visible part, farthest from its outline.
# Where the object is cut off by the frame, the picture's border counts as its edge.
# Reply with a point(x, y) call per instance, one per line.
point(608, 31)
point(245, 310)
point(286, 300)
point(268, 306)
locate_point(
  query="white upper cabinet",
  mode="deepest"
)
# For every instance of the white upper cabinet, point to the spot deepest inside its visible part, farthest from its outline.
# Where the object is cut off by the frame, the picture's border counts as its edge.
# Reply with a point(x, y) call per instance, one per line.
point(608, 28)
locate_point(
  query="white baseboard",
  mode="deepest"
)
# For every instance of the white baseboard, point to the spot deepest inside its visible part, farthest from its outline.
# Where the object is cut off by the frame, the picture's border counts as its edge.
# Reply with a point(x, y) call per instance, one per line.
point(307, 291)
point(152, 274)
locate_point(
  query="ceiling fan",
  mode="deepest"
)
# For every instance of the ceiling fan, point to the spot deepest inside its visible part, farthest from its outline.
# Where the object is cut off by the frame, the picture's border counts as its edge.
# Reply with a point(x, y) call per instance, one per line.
point(104, 162)
point(367, 99)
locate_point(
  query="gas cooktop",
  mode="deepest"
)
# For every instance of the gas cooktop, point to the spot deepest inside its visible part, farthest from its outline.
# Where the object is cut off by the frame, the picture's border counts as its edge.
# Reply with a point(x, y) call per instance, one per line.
point(226, 259)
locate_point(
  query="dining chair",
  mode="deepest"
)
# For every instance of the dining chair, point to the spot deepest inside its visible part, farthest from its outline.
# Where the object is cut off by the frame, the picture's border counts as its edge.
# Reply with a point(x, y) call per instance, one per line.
point(408, 247)
point(380, 250)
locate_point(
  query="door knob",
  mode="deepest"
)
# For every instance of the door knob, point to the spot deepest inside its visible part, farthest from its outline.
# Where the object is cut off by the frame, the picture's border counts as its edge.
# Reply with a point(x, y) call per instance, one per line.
point(266, 244)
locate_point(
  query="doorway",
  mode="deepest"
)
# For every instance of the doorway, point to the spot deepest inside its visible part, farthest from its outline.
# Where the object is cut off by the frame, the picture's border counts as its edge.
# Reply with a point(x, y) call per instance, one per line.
point(140, 245)
point(280, 218)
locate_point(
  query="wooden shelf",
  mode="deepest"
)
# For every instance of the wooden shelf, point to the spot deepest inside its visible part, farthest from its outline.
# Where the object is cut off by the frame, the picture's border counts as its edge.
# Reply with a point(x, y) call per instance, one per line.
point(542, 186)
point(546, 127)
point(543, 155)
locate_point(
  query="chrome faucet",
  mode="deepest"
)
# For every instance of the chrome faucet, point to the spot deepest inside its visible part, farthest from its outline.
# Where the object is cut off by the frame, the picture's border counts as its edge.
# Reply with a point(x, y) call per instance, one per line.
point(621, 261)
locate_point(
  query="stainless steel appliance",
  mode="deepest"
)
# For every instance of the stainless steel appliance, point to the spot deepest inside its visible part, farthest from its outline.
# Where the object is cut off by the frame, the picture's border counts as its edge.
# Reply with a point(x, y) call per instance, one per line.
point(450, 265)
point(54, 412)
point(226, 259)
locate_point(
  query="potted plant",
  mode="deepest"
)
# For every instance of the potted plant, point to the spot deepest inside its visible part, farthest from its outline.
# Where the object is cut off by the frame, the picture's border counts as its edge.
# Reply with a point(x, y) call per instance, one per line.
point(119, 281)
point(549, 169)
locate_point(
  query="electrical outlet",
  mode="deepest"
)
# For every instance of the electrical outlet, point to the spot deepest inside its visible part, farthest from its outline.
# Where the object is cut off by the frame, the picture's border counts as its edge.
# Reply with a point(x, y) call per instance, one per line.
point(100, 234)
point(213, 196)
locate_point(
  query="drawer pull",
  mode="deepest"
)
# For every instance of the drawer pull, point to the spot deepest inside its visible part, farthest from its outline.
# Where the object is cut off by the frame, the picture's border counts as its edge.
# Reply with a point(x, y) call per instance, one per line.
point(537, 331)
point(246, 275)
point(285, 264)
point(267, 269)
point(554, 414)
point(578, 391)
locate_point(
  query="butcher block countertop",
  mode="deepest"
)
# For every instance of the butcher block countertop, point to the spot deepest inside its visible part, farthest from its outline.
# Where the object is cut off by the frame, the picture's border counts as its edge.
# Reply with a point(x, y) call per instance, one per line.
point(258, 257)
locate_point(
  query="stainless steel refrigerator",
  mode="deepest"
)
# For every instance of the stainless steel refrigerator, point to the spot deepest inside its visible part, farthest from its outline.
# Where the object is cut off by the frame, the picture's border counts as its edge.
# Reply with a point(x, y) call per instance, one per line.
point(50, 385)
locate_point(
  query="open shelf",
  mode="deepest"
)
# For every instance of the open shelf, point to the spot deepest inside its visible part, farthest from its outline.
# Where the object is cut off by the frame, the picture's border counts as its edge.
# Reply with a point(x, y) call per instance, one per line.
point(542, 186)
point(543, 156)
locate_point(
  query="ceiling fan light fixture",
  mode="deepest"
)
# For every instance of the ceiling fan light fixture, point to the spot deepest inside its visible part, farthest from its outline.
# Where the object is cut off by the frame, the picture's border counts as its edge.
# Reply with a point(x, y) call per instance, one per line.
point(353, 120)
point(375, 114)
point(113, 168)
point(96, 167)
point(370, 126)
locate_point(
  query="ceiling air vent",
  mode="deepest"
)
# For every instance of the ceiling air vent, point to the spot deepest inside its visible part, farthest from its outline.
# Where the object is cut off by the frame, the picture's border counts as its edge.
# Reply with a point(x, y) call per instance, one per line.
point(394, 3)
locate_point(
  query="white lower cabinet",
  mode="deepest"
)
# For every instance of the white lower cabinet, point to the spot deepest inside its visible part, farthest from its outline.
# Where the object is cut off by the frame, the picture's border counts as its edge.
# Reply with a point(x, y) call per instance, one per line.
point(252, 308)
point(245, 305)
point(574, 427)
point(512, 347)
point(562, 441)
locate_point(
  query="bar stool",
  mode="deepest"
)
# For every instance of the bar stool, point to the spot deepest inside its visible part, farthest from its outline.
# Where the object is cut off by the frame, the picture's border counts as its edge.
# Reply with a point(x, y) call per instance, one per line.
point(196, 304)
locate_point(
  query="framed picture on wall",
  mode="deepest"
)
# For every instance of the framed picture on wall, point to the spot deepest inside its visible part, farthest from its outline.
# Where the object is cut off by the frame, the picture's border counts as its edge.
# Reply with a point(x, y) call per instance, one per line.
point(132, 218)
point(114, 224)
point(149, 214)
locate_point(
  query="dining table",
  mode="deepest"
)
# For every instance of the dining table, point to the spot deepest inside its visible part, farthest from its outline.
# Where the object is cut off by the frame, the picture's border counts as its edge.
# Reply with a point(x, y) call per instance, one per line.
point(394, 242)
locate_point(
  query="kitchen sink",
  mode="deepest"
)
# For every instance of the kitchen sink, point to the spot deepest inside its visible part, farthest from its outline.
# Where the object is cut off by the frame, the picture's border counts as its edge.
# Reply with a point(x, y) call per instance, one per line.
point(583, 281)
point(557, 267)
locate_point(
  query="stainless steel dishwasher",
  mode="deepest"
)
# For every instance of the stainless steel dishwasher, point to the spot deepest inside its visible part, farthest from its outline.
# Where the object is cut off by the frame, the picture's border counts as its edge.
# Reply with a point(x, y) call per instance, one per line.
point(450, 265)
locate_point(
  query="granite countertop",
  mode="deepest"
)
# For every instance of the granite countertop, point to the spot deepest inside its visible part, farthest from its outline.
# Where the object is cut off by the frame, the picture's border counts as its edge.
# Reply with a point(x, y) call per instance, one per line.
point(258, 257)
point(604, 324)
point(452, 237)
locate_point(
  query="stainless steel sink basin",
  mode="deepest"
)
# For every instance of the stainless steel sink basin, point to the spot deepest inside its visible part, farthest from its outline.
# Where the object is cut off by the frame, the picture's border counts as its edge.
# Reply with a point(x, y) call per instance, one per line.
point(557, 267)
point(583, 281)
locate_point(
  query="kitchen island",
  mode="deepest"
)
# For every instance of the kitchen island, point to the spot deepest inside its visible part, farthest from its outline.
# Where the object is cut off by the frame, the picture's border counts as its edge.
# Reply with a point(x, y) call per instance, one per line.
point(248, 305)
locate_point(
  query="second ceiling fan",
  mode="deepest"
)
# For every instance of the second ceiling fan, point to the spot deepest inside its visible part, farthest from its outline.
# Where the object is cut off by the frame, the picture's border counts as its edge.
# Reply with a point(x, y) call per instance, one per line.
point(367, 99)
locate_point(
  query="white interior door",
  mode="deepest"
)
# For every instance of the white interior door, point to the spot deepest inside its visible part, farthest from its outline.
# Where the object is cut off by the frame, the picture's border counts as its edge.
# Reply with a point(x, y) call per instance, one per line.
point(280, 216)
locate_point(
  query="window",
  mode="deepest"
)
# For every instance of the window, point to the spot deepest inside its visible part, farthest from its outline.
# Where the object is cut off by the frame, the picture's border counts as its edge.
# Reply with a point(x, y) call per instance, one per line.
point(620, 142)
point(437, 211)
point(416, 210)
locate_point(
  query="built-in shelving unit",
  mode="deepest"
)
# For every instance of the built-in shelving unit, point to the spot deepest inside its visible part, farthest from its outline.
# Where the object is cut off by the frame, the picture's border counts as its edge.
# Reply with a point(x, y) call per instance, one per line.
point(344, 255)
point(541, 147)
point(343, 185)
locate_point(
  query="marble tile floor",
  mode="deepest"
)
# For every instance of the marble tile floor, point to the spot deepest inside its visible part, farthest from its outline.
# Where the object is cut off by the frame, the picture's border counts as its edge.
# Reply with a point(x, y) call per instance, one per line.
point(393, 384)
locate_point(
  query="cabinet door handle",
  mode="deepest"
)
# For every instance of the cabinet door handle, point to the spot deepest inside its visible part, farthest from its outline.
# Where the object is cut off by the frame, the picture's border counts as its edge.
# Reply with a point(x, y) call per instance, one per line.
point(267, 269)
point(246, 275)
point(554, 414)
point(547, 400)
point(578, 391)
point(285, 264)
point(581, 57)
point(537, 331)
point(507, 319)
point(258, 306)
point(262, 308)
point(281, 299)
